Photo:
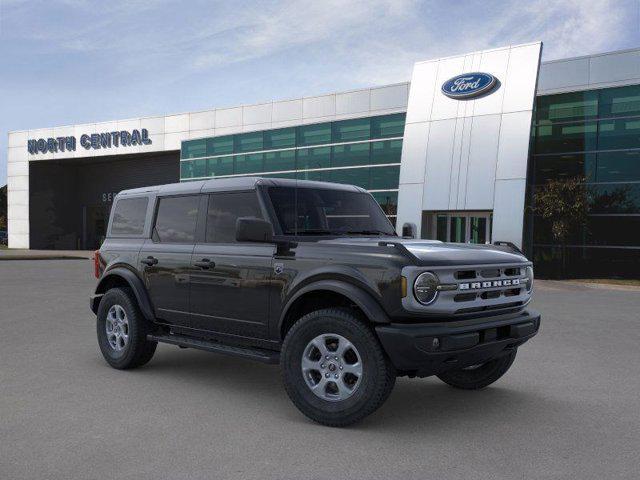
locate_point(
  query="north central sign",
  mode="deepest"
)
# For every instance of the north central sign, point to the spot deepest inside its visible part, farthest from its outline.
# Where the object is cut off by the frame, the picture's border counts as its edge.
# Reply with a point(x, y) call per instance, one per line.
point(469, 85)
point(93, 141)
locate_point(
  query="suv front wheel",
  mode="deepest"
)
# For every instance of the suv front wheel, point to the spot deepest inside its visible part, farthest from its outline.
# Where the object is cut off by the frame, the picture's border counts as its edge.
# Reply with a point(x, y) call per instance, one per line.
point(122, 330)
point(334, 368)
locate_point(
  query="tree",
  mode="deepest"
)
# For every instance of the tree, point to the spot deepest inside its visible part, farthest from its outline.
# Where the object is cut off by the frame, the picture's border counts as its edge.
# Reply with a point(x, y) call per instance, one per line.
point(565, 204)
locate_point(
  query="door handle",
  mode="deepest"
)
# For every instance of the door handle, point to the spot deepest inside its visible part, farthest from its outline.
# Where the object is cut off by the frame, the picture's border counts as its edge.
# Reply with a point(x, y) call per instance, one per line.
point(205, 264)
point(149, 261)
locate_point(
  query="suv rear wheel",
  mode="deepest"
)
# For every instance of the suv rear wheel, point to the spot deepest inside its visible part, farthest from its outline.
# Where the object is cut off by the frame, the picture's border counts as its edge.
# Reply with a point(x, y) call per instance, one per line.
point(122, 330)
point(479, 376)
point(334, 368)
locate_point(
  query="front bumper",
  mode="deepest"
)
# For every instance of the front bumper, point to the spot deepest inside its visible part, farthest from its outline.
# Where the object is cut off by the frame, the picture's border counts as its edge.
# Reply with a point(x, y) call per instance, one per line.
point(432, 348)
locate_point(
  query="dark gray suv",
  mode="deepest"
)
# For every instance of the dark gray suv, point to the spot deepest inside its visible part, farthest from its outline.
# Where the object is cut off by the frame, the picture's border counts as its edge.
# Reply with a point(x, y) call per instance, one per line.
point(312, 276)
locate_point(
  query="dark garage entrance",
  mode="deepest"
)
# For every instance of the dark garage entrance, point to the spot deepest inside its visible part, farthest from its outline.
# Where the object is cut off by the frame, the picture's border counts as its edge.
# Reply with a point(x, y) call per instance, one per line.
point(70, 200)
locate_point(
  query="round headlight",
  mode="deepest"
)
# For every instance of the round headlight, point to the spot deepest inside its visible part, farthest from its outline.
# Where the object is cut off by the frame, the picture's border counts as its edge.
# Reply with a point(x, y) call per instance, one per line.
point(529, 275)
point(426, 288)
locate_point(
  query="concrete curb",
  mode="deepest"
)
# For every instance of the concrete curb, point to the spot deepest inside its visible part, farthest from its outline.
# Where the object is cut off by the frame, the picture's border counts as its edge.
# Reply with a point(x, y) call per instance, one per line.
point(8, 258)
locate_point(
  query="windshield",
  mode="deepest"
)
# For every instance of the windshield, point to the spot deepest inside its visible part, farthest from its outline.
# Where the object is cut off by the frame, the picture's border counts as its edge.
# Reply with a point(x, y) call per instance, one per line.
point(316, 211)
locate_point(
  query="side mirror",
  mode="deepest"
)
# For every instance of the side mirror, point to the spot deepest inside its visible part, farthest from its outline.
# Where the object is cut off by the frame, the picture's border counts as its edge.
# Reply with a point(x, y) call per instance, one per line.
point(251, 229)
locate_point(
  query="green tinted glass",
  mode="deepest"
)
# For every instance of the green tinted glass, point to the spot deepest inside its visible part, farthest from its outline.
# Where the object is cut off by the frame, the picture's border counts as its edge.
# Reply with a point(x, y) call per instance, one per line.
point(352, 130)
point(280, 138)
point(388, 151)
point(318, 176)
point(566, 107)
point(383, 178)
point(573, 137)
point(275, 161)
point(614, 134)
point(620, 102)
point(618, 167)
point(314, 134)
point(318, 157)
point(571, 165)
point(220, 166)
point(388, 201)
point(220, 145)
point(248, 142)
point(194, 148)
point(250, 163)
point(186, 169)
point(351, 176)
point(388, 126)
point(348, 155)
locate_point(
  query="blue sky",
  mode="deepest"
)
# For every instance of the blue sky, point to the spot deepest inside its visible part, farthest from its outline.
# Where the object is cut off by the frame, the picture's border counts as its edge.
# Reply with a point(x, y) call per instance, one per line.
point(72, 61)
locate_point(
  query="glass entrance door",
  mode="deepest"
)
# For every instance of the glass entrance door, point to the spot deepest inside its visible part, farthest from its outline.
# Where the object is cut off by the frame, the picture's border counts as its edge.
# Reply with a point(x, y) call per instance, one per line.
point(462, 227)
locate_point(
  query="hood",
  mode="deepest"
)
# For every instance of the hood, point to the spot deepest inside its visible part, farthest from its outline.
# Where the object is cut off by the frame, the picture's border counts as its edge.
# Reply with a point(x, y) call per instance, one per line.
point(436, 253)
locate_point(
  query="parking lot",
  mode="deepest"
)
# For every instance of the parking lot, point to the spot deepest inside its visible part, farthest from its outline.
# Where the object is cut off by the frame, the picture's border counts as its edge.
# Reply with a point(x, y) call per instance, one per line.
point(569, 407)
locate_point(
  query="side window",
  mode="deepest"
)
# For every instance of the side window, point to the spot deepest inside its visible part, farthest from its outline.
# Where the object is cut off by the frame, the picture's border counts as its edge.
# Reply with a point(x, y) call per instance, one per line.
point(129, 215)
point(176, 219)
point(224, 209)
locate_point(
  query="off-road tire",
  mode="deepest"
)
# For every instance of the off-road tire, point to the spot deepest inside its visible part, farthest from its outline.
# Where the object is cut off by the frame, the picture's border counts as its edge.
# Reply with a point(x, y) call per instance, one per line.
point(138, 350)
point(481, 376)
point(378, 376)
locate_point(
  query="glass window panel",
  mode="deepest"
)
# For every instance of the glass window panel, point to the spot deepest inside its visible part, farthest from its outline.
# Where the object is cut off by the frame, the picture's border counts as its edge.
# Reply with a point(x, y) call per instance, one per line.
point(318, 176)
point(478, 229)
point(176, 219)
point(276, 161)
point(350, 176)
point(388, 151)
point(223, 211)
point(383, 178)
point(248, 142)
point(290, 175)
point(441, 227)
point(194, 148)
point(618, 167)
point(457, 232)
point(220, 166)
point(250, 163)
point(186, 169)
point(620, 102)
point(620, 198)
point(574, 137)
point(616, 134)
point(352, 130)
point(348, 155)
point(129, 215)
point(280, 138)
point(316, 134)
point(220, 145)
point(388, 201)
point(553, 167)
point(566, 107)
point(388, 126)
point(319, 157)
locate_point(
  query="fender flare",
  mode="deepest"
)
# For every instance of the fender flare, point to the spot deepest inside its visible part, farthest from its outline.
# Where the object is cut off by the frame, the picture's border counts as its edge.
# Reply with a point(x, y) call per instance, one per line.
point(367, 303)
point(134, 283)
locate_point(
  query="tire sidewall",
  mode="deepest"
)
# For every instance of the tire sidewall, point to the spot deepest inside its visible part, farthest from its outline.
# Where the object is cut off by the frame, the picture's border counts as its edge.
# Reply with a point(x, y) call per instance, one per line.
point(118, 296)
point(308, 328)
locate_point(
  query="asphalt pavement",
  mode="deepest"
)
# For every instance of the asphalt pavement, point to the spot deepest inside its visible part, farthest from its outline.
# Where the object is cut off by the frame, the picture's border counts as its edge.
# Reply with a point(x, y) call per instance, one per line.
point(569, 408)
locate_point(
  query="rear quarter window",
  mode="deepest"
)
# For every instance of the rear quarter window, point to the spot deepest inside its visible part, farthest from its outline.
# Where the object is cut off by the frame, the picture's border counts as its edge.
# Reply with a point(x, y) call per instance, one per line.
point(128, 216)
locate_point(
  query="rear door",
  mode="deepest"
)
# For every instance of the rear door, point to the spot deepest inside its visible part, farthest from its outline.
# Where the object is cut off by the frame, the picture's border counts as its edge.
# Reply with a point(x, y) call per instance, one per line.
point(230, 281)
point(165, 259)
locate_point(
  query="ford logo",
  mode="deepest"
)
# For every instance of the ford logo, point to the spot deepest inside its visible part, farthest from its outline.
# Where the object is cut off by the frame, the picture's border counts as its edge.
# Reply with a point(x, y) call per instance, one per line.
point(469, 85)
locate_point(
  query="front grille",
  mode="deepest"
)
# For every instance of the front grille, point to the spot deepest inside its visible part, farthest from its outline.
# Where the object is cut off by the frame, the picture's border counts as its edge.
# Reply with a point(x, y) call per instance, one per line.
point(473, 289)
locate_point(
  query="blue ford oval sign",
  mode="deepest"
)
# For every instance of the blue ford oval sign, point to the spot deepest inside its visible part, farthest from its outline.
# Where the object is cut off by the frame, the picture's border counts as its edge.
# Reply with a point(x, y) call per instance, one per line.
point(469, 85)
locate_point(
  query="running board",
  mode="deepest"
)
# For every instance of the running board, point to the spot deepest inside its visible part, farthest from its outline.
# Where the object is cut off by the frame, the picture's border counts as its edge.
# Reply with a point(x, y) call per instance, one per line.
point(260, 355)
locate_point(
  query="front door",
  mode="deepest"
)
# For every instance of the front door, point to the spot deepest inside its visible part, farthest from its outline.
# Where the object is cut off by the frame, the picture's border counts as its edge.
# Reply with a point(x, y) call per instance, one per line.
point(165, 260)
point(462, 227)
point(230, 281)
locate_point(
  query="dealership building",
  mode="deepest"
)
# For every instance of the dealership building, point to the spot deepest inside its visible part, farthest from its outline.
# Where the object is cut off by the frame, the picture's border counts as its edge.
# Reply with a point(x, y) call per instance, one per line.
point(459, 153)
